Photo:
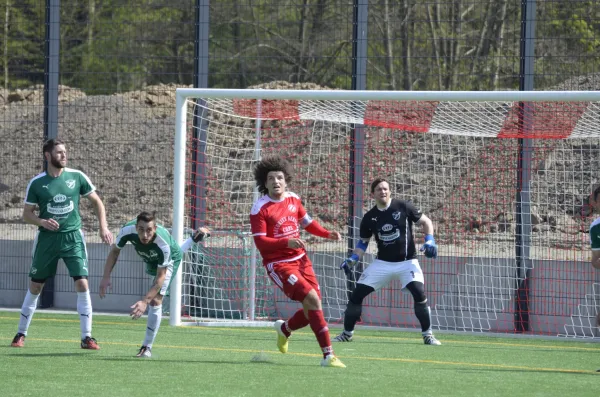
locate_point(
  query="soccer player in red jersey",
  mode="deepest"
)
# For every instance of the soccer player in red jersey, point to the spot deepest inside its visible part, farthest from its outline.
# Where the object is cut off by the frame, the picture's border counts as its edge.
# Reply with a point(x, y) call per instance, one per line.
point(275, 219)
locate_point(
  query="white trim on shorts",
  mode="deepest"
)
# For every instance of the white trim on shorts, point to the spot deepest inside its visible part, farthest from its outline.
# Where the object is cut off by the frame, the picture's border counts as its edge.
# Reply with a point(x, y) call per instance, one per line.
point(380, 273)
point(35, 243)
point(167, 281)
point(271, 269)
point(86, 264)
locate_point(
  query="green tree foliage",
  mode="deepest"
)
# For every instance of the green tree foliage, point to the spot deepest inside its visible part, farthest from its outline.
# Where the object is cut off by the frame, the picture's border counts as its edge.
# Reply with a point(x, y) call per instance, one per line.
point(22, 37)
point(571, 40)
point(118, 45)
point(112, 45)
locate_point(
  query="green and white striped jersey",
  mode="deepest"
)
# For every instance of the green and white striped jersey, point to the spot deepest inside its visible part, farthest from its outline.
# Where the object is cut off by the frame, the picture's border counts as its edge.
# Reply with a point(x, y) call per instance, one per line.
point(160, 252)
point(58, 198)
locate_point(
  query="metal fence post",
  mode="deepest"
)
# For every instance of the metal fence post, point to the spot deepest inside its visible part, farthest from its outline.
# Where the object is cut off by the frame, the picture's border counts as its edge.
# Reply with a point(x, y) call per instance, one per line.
point(523, 198)
point(357, 139)
point(51, 73)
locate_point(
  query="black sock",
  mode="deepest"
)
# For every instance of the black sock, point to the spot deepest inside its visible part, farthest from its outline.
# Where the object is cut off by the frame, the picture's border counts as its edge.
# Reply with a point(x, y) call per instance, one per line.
point(352, 316)
point(423, 313)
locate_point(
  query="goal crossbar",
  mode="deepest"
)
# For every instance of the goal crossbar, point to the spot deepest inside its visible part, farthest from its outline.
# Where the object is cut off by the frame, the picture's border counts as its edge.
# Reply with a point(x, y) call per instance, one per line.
point(347, 95)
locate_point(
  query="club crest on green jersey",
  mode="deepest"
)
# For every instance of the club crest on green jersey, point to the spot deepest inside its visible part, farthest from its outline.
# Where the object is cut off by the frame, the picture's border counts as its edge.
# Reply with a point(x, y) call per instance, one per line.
point(59, 198)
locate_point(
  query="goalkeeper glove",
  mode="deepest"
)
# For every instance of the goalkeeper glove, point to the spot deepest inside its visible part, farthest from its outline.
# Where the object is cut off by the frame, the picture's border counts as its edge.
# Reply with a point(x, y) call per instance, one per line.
point(347, 264)
point(429, 248)
point(199, 235)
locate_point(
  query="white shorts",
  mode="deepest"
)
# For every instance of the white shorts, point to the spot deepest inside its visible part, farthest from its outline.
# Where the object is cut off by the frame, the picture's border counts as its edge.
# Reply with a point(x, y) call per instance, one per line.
point(167, 283)
point(380, 273)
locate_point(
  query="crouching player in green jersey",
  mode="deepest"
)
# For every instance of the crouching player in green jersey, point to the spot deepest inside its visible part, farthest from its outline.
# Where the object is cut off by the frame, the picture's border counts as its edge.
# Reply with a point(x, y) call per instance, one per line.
point(162, 256)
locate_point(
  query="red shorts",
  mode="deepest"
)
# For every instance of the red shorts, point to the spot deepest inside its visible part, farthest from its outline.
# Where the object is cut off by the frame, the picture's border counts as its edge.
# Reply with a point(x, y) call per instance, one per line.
point(296, 278)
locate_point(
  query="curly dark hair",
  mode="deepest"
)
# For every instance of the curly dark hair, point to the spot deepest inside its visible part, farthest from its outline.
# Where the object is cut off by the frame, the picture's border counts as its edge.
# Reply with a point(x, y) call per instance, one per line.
point(268, 164)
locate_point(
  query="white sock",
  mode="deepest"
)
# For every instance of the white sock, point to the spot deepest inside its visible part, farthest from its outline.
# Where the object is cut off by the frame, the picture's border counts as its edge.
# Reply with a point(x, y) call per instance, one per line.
point(154, 317)
point(187, 244)
point(349, 332)
point(27, 310)
point(84, 308)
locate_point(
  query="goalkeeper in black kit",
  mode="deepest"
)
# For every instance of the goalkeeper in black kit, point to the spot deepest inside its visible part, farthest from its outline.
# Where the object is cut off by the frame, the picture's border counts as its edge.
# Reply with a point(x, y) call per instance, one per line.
point(391, 222)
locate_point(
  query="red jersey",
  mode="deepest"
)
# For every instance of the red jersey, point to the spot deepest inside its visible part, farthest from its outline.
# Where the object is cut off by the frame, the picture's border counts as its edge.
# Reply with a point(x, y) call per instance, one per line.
point(278, 220)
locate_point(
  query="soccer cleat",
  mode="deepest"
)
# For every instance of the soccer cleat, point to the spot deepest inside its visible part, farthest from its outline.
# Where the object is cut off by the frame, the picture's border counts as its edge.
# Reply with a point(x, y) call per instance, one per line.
point(430, 340)
point(332, 361)
point(18, 340)
point(343, 337)
point(89, 343)
point(282, 340)
point(145, 351)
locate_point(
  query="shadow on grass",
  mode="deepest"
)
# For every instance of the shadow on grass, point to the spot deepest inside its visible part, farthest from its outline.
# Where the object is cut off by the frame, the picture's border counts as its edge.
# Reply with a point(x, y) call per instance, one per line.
point(162, 361)
point(524, 348)
point(35, 355)
point(454, 345)
point(524, 370)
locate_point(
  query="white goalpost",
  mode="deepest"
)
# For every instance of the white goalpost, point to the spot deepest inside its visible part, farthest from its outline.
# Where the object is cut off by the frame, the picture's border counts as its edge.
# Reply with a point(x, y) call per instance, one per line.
point(505, 177)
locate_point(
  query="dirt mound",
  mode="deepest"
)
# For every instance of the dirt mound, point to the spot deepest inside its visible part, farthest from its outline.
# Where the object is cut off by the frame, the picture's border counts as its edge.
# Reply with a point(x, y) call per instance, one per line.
point(124, 142)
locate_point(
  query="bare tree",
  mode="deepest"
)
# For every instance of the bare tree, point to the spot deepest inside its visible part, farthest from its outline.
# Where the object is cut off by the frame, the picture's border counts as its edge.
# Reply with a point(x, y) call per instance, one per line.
point(302, 39)
point(491, 42)
point(388, 44)
point(499, 28)
point(445, 33)
point(406, 35)
point(6, 21)
point(90, 33)
point(433, 23)
point(237, 37)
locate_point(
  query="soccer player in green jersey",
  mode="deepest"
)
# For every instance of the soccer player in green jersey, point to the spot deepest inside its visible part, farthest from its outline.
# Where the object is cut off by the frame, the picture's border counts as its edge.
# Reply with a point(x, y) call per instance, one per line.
point(56, 193)
point(162, 256)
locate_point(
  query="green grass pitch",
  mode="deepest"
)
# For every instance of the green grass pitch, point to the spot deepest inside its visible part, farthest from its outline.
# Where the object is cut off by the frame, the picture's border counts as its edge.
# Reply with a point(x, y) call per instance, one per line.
point(194, 361)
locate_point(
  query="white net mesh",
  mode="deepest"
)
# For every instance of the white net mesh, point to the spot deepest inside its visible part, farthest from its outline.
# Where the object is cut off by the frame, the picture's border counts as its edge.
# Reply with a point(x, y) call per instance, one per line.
point(457, 161)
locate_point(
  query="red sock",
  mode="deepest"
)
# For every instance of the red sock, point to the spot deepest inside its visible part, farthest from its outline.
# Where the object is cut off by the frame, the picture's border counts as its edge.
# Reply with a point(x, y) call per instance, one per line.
point(319, 327)
point(297, 321)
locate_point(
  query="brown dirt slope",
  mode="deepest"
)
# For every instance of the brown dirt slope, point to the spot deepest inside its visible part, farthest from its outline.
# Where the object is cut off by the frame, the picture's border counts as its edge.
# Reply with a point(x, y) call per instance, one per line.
point(124, 142)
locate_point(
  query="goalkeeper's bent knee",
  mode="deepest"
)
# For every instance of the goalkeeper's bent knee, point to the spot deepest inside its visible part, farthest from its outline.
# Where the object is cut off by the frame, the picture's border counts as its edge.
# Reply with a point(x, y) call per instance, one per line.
point(421, 307)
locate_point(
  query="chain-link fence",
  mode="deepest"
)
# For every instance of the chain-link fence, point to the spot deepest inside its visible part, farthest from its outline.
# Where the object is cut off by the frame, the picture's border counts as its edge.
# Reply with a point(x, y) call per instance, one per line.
point(21, 126)
point(120, 62)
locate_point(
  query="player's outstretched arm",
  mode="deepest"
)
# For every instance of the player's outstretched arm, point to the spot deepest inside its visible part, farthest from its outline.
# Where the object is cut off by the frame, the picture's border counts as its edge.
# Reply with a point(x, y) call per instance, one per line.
point(429, 247)
point(104, 232)
point(109, 265)
point(315, 228)
point(198, 236)
point(357, 254)
point(139, 308)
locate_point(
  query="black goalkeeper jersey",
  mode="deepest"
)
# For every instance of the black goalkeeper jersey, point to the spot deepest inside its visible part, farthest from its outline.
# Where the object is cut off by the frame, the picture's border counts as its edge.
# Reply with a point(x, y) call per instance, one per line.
point(393, 230)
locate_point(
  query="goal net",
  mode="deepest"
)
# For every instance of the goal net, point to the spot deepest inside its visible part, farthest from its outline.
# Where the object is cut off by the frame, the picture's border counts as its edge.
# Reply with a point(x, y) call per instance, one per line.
point(504, 176)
